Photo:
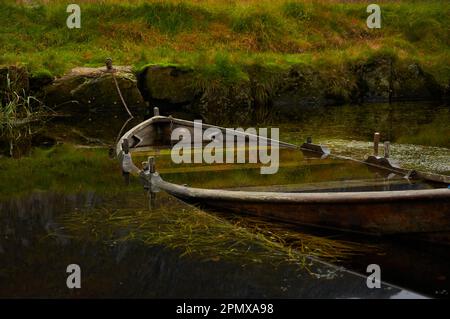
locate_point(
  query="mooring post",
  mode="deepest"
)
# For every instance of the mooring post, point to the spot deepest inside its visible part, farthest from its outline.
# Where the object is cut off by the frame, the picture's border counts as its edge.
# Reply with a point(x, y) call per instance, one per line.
point(109, 66)
point(152, 194)
point(387, 146)
point(376, 141)
point(156, 111)
point(125, 146)
point(151, 165)
point(125, 150)
point(152, 200)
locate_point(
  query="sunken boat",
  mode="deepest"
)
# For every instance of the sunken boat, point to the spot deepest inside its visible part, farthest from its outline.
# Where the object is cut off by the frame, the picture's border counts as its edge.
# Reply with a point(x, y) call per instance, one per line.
point(312, 188)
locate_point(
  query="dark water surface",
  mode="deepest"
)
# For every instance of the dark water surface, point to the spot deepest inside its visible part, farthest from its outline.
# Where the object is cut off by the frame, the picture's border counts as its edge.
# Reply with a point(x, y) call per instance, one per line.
point(114, 237)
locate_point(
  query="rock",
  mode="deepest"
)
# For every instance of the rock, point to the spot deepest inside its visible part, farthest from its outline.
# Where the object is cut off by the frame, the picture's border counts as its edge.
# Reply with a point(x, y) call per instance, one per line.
point(164, 85)
point(226, 104)
point(40, 80)
point(92, 90)
point(385, 79)
point(302, 87)
point(412, 83)
point(375, 79)
point(446, 96)
point(171, 89)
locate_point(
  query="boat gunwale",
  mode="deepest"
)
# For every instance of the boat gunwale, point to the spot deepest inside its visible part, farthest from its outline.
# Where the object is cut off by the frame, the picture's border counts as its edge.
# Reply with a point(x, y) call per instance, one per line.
point(169, 119)
point(305, 198)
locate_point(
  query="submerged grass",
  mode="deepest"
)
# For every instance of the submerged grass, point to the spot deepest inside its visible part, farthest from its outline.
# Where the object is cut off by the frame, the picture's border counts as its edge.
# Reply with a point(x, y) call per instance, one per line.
point(206, 236)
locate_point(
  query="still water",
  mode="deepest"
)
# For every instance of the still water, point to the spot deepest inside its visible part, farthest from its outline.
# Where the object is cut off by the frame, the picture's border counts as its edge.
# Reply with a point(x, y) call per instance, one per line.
point(127, 249)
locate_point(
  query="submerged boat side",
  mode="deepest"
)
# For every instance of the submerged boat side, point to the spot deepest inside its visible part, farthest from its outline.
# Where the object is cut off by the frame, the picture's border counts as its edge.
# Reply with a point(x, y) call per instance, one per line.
point(379, 212)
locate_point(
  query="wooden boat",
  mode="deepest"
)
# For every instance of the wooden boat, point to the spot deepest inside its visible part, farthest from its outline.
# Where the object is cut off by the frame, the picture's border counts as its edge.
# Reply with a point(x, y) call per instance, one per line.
point(412, 210)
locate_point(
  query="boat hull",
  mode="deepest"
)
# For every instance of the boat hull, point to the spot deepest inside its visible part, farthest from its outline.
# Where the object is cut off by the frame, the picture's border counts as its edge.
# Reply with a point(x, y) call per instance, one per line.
point(382, 213)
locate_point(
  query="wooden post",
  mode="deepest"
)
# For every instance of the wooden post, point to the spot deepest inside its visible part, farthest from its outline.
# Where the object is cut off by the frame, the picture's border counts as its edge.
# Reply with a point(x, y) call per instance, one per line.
point(125, 146)
point(125, 150)
point(155, 111)
point(376, 141)
point(387, 146)
point(109, 66)
point(151, 164)
point(152, 200)
point(152, 194)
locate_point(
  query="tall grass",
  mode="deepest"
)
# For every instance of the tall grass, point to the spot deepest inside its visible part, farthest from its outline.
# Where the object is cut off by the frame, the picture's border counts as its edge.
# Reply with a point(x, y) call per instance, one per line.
point(18, 111)
point(172, 18)
point(296, 10)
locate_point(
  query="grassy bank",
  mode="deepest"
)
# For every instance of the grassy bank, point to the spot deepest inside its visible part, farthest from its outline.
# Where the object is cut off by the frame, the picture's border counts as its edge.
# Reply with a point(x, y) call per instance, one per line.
point(221, 38)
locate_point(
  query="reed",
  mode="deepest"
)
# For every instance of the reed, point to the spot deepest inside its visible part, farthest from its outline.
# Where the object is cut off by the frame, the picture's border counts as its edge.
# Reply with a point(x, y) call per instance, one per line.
point(18, 112)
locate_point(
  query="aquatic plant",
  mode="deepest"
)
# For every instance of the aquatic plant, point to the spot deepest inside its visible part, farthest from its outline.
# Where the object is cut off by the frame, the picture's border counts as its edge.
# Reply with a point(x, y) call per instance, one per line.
point(175, 225)
point(18, 111)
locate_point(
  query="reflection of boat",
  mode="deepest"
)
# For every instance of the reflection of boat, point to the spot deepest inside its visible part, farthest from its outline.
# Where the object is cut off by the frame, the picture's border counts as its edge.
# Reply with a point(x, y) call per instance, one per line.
point(362, 206)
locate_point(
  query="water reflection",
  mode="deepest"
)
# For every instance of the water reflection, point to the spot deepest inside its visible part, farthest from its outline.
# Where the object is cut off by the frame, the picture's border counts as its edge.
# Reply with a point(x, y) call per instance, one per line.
point(411, 123)
point(126, 249)
point(116, 261)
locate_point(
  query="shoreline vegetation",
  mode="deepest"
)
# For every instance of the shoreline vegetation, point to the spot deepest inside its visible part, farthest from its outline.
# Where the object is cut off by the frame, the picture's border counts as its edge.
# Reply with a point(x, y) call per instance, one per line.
point(222, 37)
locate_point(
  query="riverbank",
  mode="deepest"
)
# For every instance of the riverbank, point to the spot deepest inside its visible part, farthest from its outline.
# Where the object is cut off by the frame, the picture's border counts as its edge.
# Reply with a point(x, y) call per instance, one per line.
point(264, 94)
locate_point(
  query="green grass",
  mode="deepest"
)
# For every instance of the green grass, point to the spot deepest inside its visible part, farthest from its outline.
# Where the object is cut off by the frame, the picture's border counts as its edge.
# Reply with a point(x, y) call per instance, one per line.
point(171, 18)
point(222, 37)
